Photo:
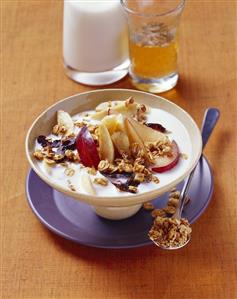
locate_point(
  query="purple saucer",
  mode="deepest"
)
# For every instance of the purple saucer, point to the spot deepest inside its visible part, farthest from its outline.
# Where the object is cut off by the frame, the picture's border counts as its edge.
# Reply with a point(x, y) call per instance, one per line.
point(77, 221)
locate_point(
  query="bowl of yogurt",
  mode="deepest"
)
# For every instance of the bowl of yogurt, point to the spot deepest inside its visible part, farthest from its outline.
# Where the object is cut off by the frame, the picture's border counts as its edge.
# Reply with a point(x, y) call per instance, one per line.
point(113, 149)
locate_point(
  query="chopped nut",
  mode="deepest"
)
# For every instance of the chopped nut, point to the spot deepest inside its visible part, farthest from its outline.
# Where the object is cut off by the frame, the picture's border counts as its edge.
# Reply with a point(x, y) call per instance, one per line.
point(62, 130)
point(38, 155)
point(142, 108)
point(122, 166)
point(58, 157)
point(184, 156)
point(150, 156)
point(166, 149)
point(169, 210)
point(103, 165)
point(69, 154)
point(155, 179)
point(101, 181)
point(50, 154)
point(80, 124)
point(158, 212)
point(175, 194)
point(76, 157)
point(138, 168)
point(139, 177)
point(148, 206)
point(64, 164)
point(92, 171)
point(135, 148)
point(71, 135)
point(173, 202)
point(129, 101)
point(133, 189)
point(69, 171)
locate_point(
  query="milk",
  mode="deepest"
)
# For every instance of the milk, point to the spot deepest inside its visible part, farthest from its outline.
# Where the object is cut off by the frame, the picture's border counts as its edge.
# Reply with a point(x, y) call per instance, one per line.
point(94, 35)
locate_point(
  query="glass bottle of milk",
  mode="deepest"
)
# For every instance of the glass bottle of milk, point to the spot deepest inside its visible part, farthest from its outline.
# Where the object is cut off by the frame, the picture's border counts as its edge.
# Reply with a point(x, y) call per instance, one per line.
point(95, 47)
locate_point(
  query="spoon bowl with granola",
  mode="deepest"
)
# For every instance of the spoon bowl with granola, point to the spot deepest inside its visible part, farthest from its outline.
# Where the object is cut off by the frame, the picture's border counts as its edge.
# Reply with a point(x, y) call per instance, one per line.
point(113, 149)
point(175, 232)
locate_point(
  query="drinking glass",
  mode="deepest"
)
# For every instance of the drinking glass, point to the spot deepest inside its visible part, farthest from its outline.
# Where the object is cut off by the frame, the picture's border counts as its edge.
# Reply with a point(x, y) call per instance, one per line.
point(95, 50)
point(153, 42)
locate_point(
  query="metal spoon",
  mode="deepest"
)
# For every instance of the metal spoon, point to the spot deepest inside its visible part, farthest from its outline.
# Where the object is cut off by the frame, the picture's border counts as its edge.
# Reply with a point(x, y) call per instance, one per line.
point(210, 119)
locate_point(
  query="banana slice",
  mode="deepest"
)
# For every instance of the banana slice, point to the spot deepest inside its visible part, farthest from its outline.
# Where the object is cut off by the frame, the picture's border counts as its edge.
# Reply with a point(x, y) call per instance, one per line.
point(111, 123)
point(85, 182)
point(121, 142)
point(122, 107)
point(106, 105)
point(106, 148)
point(64, 119)
point(147, 134)
point(114, 123)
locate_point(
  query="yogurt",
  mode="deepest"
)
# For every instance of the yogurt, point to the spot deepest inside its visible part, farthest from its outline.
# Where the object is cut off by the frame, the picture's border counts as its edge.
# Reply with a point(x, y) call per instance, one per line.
point(177, 132)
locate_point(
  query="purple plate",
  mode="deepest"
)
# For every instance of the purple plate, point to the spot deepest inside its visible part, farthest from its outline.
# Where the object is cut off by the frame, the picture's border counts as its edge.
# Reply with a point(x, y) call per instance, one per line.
point(77, 221)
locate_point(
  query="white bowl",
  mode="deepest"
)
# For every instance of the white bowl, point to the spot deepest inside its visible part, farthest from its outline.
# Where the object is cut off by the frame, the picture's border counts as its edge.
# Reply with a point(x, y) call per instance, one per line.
point(89, 100)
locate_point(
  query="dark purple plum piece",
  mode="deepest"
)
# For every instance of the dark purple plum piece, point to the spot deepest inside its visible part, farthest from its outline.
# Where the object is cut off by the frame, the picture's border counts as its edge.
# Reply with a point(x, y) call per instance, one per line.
point(122, 181)
point(157, 127)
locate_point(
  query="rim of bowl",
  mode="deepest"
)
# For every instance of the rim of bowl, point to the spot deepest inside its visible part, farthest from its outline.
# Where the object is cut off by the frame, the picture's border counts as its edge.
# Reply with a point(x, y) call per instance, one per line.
point(124, 199)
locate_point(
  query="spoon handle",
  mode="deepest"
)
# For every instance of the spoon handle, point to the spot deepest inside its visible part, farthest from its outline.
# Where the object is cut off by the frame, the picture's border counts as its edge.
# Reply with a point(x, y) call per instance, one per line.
point(210, 119)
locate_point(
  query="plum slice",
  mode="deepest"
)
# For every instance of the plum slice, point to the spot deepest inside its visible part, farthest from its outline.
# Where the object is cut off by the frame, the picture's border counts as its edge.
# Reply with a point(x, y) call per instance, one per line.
point(165, 163)
point(86, 148)
point(156, 126)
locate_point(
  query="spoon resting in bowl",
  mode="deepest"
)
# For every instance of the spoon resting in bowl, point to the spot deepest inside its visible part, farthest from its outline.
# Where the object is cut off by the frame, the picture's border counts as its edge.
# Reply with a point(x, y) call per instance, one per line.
point(175, 232)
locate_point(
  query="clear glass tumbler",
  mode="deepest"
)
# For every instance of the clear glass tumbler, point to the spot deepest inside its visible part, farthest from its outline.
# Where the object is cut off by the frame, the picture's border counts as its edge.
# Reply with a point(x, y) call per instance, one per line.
point(153, 42)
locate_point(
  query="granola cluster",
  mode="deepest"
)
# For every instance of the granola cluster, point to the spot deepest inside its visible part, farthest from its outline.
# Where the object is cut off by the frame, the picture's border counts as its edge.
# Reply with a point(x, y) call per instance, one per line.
point(135, 166)
point(166, 231)
point(58, 151)
point(169, 209)
point(169, 232)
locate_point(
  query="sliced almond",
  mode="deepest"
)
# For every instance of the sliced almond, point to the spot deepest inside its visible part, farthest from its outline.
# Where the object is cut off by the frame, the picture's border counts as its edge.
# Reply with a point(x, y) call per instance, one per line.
point(147, 134)
point(86, 183)
point(106, 147)
point(121, 142)
point(65, 120)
